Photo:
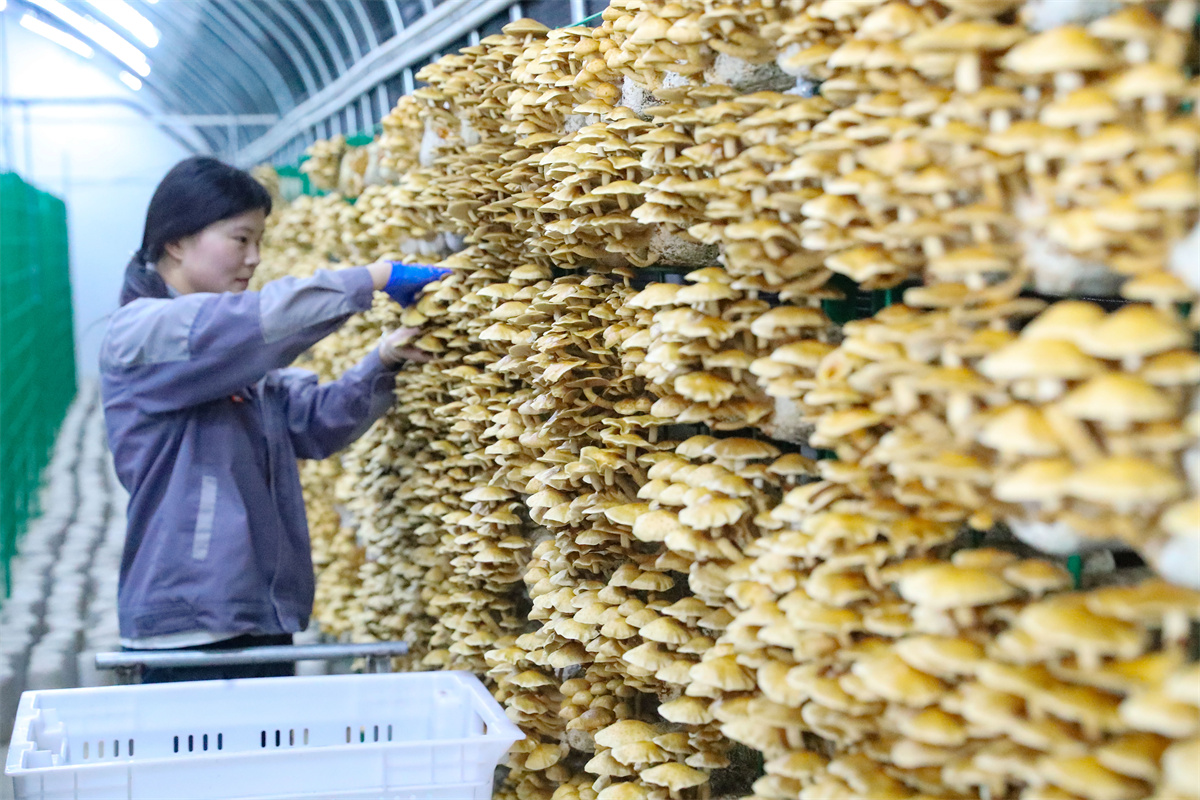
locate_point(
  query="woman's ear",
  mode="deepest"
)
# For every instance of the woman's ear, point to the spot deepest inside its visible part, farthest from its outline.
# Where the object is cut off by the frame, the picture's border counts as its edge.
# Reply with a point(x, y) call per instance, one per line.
point(177, 248)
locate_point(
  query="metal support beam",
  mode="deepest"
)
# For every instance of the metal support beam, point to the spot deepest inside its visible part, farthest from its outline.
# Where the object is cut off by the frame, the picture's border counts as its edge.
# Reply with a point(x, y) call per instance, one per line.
point(429, 35)
point(204, 80)
point(382, 101)
point(295, 12)
point(393, 9)
point(297, 31)
point(189, 138)
point(272, 31)
point(251, 55)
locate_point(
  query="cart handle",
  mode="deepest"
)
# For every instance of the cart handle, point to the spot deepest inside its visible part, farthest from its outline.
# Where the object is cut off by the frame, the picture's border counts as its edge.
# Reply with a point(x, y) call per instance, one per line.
point(377, 653)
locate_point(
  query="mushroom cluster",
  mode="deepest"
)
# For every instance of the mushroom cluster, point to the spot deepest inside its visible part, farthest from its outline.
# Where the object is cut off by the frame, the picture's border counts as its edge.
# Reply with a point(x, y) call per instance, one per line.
point(710, 349)
point(600, 493)
point(324, 163)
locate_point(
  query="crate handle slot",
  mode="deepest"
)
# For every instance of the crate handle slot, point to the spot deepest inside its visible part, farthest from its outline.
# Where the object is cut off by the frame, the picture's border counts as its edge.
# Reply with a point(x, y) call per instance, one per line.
point(176, 744)
point(131, 748)
point(85, 751)
point(204, 743)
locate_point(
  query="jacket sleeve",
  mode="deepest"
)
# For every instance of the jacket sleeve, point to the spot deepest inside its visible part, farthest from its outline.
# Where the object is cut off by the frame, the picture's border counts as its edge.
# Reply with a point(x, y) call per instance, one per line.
point(322, 419)
point(172, 354)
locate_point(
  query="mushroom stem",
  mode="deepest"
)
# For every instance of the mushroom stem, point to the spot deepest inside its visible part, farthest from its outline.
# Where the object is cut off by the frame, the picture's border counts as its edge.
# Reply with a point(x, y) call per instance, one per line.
point(968, 73)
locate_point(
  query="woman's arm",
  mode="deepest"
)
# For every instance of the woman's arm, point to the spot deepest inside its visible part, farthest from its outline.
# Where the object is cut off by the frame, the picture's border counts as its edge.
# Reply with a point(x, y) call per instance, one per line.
point(172, 354)
point(322, 419)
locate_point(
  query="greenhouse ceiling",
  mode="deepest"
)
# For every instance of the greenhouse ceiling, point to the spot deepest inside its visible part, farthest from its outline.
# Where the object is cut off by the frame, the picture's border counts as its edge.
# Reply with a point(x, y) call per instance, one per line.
point(260, 80)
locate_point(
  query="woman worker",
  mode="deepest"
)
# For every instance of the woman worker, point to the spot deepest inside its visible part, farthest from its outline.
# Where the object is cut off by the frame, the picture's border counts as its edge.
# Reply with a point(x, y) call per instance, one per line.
point(205, 420)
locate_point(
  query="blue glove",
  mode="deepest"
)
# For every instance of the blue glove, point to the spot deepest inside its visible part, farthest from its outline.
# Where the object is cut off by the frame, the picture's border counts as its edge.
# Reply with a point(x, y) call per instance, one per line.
point(408, 279)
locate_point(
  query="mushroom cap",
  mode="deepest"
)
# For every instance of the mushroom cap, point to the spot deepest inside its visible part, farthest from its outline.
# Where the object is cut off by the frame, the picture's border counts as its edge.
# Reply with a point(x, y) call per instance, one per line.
point(656, 295)
point(1159, 287)
point(665, 630)
point(786, 320)
point(674, 776)
point(626, 731)
point(705, 387)
point(1037, 577)
point(892, 679)
point(806, 353)
point(1135, 754)
point(714, 513)
point(1179, 766)
point(1152, 710)
point(1148, 80)
point(1091, 105)
point(687, 711)
point(933, 726)
point(1135, 331)
point(946, 586)
point(797, 764)
point(1183, 519)
point(655, 526)
point(1146, 602)
point(965, 35)
point(694, 446)
point(1117, 399)
point(484, 494)
point(1175, 191)
point(724, 673)
point(1131, 22)
point(1118, 480)
point(1064, 621)
point(1068, 48)
point(1069, 320)
point(626, 514)
point(1039, 480)
point(1029, 358)
point(626, 790)
point(1084, 776)
point(639, 753)
point(1020, 429)
point(942, 656)
point(739, 449)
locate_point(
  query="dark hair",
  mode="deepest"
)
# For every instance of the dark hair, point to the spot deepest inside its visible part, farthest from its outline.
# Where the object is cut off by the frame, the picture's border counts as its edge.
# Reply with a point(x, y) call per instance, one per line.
point(197, 192)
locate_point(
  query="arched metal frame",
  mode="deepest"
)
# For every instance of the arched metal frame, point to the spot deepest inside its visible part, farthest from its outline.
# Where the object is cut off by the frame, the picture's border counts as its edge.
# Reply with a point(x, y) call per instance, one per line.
point(299, 15)
point(248, 53)
point(258, 90)
point(166, 94)
point(324, 66)
point(220, 91)
point(241, 17)
point(260, 8)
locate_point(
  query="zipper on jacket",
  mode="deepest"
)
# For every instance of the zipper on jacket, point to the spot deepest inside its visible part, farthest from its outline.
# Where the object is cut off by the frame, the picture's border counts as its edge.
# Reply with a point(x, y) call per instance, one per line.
point(260, 392)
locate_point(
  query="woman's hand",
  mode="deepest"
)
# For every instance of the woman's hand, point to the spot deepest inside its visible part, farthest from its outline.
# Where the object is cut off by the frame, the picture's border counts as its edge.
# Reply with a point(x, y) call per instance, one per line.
point(394, 349)
point(405, 281)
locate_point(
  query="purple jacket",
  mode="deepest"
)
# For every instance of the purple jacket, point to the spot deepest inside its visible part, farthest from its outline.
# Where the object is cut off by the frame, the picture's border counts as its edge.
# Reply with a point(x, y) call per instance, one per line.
point(205, 426)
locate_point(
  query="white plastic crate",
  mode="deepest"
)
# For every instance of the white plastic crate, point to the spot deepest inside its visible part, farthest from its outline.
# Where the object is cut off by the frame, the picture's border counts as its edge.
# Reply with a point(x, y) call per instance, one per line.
point(436, 735)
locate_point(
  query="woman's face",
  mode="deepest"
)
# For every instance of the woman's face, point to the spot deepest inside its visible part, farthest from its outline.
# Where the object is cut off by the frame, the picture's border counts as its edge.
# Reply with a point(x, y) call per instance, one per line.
point(220, 258)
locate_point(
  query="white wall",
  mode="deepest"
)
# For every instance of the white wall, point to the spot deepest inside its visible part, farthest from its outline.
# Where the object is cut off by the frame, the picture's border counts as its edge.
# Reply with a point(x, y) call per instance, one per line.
point(104, 161)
